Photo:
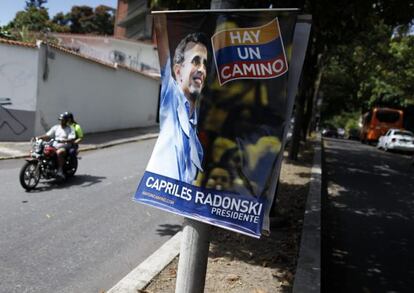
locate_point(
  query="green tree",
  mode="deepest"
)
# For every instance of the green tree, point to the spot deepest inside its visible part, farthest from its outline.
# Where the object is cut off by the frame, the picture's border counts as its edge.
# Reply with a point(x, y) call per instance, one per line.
point(60, 19)
point(104, 19)
point(84, 19)
point(34, 19)
point(335, 41)
point(393, 82)
point(81, 19)
point(349, 69)
point(376, 69)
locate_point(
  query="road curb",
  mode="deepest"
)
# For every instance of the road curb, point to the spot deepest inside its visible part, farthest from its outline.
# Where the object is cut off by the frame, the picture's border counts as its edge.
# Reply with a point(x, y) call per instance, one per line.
point(97, 146)
point(308, 269)
point(13, 157)
point(118, 142)
point(142, 275)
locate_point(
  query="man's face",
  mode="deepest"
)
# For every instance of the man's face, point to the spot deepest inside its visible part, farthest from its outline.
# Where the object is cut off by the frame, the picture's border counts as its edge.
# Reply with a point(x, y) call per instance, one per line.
point(191, 74)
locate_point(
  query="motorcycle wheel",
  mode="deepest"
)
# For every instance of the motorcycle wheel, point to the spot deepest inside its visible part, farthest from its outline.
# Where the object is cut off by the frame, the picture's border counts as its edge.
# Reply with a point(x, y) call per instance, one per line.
point(29, 175)
point(71, 166)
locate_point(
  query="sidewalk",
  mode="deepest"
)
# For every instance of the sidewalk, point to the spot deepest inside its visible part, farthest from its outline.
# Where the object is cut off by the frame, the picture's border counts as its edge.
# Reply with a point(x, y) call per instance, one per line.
point(92, 141)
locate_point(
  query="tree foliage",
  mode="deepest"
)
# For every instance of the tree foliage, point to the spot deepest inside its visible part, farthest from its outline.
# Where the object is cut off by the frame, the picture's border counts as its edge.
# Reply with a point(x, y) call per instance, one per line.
point(104, 20)
point(60, 19)
point(85, 19)
point(81, 19)
point(362, 66)
point(392, 84)
point(34, 20)
point(375, 69)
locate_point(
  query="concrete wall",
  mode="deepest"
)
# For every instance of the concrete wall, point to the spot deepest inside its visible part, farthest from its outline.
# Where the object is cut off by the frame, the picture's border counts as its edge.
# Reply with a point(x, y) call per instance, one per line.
point(18, 91)
point(101, 97)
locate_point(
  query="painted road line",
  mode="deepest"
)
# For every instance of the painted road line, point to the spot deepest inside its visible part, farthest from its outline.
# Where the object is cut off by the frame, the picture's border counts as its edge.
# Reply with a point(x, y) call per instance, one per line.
point(142, 275)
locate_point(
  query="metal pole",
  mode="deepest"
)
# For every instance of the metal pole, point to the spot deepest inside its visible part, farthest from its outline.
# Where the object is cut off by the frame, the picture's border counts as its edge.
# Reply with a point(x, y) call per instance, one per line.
point(192, 264)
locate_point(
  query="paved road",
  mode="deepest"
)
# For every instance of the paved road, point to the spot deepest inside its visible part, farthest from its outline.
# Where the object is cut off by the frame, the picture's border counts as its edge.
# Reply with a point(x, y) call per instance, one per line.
point(368, 219)
point(85, 235)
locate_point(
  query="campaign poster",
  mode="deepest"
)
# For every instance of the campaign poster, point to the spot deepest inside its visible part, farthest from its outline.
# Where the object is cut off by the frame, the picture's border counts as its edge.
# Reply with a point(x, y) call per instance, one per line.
point(223, 112)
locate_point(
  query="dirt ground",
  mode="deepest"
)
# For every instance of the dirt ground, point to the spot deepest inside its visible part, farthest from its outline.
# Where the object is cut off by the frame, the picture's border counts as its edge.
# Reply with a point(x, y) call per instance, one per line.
point(242, 264)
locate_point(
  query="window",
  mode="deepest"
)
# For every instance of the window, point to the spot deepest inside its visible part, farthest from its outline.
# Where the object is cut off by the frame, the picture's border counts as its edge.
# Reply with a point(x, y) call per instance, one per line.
point(403, 133)
point(387, 116)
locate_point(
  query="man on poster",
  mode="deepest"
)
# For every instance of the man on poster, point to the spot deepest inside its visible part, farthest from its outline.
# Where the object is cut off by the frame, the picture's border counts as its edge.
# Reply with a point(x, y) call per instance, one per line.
point(178, 152)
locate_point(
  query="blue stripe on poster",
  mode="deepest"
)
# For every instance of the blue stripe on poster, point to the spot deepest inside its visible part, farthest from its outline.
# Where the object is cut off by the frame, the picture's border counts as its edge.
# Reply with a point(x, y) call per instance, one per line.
point(232, 211)
point(249, 52)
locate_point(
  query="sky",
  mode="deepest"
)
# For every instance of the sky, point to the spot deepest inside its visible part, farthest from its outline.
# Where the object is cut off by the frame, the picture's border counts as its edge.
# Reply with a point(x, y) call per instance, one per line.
point(8, 8)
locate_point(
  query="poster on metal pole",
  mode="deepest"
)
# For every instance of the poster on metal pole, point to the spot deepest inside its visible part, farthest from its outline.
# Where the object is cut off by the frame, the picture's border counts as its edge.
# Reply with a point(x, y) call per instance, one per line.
point(223, 112)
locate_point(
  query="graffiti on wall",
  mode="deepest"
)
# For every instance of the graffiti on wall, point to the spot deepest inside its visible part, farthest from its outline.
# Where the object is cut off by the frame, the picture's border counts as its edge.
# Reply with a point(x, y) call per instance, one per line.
point(7, 119)
point(117, 56)
point(15, 80)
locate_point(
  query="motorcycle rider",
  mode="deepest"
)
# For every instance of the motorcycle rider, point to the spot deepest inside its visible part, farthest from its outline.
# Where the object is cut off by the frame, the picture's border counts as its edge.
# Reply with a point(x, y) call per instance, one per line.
point(63, 136)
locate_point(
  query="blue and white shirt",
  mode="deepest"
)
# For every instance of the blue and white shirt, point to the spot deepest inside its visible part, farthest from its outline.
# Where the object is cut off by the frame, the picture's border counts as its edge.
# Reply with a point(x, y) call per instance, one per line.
point(178, 152)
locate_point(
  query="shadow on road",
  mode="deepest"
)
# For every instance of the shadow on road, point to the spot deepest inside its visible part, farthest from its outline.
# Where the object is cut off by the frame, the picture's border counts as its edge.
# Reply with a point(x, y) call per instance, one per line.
point(168, 229)
point(83, 180)
point(368, 219)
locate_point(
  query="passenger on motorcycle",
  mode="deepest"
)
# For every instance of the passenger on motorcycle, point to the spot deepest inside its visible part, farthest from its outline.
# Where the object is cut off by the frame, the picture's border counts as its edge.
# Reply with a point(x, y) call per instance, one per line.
point(76, 127)
point(63, 136)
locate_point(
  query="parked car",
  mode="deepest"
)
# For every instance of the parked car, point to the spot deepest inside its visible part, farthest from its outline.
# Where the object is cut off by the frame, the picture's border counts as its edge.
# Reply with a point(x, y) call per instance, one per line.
point(397, 139)
point(330, 132)
point(353, 134)
point(341, 132)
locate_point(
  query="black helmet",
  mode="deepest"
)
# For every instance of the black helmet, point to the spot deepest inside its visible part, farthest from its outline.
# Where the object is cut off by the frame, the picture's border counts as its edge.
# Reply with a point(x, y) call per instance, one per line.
point(63, 116)
point(69, 115)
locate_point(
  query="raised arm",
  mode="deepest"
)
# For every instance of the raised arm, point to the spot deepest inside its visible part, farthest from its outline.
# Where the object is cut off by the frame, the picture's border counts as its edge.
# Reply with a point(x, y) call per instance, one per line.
point(162, 38)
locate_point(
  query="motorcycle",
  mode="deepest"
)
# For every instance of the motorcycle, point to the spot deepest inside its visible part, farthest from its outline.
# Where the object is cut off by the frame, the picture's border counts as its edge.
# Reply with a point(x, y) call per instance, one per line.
point(42, 163)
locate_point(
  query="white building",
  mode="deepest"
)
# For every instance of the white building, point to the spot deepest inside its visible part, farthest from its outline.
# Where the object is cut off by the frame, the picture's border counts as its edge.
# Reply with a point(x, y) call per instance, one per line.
point(141, 56)
point(39, 82)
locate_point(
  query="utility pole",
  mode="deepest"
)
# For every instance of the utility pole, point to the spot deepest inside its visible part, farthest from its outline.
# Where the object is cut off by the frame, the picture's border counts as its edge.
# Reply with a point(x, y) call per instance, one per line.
point(192, 264)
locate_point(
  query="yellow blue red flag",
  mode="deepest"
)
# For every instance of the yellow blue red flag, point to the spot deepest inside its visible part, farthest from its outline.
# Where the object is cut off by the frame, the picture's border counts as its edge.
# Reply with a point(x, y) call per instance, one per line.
point(249, 53)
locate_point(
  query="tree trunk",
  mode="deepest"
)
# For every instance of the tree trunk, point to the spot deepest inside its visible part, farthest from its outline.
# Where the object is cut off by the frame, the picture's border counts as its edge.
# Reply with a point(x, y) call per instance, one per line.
point(296, 133)
point(305, 92)
point(312, 103)
point(312, 74)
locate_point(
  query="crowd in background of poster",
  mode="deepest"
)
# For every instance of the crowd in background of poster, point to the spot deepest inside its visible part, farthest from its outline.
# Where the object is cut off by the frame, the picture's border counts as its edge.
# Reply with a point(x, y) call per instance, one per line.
point(223, 112)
